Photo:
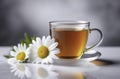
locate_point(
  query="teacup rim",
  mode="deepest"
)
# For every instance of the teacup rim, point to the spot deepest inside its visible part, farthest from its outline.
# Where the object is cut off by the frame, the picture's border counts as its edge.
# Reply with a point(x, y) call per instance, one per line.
point(70, 22)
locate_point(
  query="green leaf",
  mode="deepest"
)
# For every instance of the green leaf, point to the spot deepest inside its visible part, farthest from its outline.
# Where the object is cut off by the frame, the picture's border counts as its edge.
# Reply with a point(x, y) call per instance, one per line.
point(22, 42)
point(8, 56)
point(34, 38)
point(27, 39)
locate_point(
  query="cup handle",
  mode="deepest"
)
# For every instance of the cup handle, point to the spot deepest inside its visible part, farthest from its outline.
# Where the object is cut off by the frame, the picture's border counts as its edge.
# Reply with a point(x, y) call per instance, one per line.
point(99, 41)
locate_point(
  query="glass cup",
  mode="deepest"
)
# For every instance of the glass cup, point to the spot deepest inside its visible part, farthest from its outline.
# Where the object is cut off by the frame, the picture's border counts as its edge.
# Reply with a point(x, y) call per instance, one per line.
point(72, 37)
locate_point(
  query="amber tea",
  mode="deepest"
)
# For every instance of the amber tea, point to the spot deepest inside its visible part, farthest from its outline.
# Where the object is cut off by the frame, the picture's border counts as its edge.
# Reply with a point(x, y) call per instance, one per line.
point(71, 41)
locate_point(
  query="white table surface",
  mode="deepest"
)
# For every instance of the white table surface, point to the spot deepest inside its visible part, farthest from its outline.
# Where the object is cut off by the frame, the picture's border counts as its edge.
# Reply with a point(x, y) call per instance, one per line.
point(107, 67)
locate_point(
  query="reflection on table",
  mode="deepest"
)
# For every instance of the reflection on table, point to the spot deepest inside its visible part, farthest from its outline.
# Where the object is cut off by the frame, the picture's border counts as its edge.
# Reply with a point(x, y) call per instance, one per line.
point(38, 71)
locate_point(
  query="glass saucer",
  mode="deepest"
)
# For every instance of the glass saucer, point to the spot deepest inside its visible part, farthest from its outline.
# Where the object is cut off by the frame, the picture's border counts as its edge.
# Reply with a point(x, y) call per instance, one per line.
point(86, 57)
point(91, 55)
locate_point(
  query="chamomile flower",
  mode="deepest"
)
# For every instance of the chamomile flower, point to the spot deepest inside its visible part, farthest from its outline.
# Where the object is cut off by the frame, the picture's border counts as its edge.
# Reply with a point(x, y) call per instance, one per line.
point(43, 50)
point(20, 70)
point(19, 53)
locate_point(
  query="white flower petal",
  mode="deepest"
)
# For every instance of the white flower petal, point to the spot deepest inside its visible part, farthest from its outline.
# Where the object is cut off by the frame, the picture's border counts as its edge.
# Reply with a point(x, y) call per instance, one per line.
point(23, 47)
point(47, 40)
point(53, 40)
point(12, 53)
point(15, 48)
point(43, 39)
point(19, 47)
point(33, 54)
point(53, 46)
point(37, 60)
point(50, 42)
point(55, 51)
point(38, 39)
point(45, 61)
point(50, 60)
point(28, 50)
point(54, 56)
point(33, 41)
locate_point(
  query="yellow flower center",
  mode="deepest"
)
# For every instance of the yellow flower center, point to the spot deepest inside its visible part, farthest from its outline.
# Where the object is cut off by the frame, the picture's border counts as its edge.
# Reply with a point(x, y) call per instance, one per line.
point(20, 56)
point(43, 52)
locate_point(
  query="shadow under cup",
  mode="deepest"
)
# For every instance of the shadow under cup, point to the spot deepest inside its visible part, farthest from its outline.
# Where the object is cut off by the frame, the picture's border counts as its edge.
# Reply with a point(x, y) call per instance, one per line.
point(71, 37)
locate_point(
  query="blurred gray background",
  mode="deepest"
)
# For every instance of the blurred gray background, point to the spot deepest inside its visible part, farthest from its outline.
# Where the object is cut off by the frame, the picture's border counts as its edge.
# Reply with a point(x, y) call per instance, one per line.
point(32, 17)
